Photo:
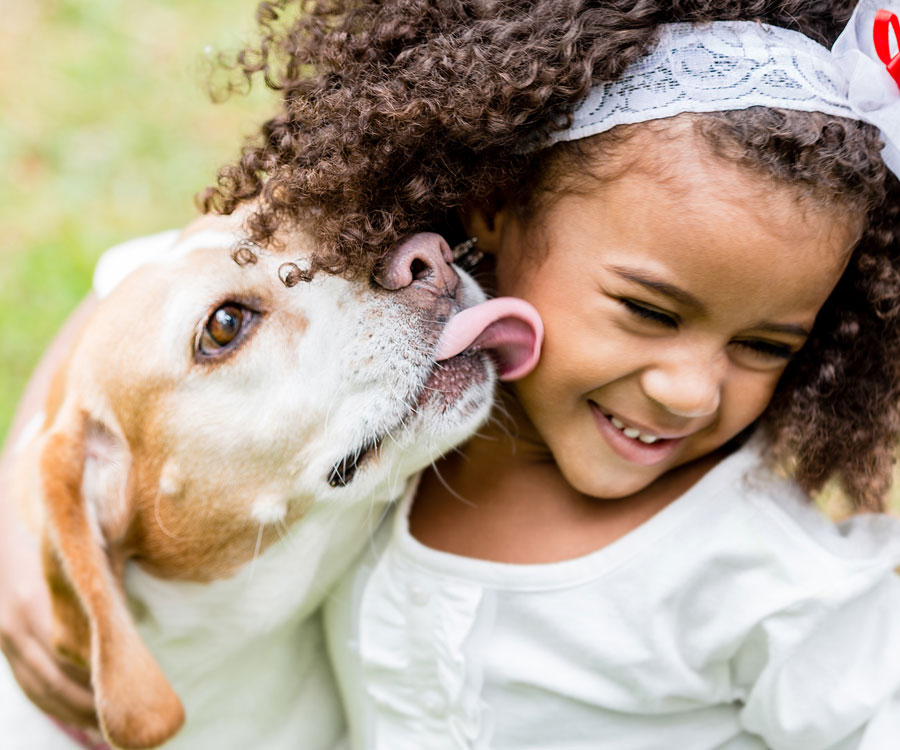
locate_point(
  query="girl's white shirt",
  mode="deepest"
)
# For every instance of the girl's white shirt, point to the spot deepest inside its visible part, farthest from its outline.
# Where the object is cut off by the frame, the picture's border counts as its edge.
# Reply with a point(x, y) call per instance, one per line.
point(737, 617)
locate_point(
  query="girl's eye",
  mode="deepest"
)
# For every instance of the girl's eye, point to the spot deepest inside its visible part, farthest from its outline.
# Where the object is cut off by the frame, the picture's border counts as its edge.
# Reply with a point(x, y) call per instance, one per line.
point(765, 348)
point(223, 328)
point(648, 313)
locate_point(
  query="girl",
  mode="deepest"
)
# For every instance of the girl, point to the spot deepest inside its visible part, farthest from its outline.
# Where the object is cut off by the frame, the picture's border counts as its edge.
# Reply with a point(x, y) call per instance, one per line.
point(707, 217)
point(712, 243)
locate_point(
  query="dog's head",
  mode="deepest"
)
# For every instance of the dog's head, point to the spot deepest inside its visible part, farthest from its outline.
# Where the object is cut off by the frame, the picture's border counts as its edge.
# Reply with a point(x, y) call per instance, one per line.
point(207, 405)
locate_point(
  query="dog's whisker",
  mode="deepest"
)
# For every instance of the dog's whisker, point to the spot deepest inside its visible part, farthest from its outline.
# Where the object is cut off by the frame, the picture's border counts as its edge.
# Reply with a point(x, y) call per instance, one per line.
point(500, 423)
point(281, 529)
point(284, 532)
point(259, 537)
point(449, 489)
point(387, 431)
point(457, 449)
point(331, 403)
point(159, 521)
point(501, 418)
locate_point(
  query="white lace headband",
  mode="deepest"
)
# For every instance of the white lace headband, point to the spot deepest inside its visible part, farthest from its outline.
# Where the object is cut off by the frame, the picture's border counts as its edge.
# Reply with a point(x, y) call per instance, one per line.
point(728, 65)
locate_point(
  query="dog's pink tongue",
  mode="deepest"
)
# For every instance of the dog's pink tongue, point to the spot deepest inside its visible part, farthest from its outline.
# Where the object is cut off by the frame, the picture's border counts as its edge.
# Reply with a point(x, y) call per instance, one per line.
point(509, 326)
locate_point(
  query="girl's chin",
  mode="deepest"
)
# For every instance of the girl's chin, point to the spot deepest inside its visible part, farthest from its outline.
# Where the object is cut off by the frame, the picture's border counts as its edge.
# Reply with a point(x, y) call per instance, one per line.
point(606, 482)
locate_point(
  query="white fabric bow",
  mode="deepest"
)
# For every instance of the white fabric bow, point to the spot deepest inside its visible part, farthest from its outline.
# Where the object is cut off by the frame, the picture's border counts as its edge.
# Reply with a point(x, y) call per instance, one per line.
point(872, 92)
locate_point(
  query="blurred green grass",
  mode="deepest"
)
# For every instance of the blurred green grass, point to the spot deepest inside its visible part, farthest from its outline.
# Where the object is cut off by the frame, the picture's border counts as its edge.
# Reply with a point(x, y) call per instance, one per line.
point(106, 133)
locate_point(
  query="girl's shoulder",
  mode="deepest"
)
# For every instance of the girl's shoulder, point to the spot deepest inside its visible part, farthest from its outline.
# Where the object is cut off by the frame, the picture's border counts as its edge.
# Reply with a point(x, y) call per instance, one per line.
point(758, 555)
point(806, 533)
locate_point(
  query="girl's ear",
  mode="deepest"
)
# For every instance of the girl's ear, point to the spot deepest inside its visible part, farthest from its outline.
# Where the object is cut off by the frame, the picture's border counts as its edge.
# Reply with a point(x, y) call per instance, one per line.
point(484, 221)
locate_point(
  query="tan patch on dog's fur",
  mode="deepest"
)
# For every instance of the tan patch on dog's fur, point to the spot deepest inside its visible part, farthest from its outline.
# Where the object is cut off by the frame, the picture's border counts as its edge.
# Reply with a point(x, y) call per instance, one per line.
point(136, 705)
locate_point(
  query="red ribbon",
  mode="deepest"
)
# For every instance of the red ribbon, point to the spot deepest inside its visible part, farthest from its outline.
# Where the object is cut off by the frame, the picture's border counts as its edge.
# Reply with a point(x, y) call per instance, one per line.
point(884, 22)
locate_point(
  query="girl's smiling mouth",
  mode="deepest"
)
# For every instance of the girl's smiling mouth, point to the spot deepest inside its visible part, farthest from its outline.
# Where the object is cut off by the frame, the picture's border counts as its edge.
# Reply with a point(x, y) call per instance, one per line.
point(635, 445)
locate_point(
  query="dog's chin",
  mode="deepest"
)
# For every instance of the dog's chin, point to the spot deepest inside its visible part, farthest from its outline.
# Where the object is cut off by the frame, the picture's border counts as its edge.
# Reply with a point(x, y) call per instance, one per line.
point(452, 403)
point(450, 382)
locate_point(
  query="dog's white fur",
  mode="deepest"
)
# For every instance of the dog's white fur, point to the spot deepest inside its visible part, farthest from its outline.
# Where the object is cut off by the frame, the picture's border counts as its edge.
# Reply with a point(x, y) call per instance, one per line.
point(240, 451)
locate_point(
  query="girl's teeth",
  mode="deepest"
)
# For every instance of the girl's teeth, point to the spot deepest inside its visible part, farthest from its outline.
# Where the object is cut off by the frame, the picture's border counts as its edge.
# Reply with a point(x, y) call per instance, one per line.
point(632, 432)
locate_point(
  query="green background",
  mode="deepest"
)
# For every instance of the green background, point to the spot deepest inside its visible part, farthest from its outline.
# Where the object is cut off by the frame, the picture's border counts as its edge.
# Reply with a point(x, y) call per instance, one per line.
point(107, 132)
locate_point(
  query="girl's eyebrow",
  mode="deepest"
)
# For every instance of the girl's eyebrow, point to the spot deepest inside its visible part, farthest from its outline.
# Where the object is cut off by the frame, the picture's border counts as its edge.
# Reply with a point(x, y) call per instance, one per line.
point(671, 291)
point(679, 295)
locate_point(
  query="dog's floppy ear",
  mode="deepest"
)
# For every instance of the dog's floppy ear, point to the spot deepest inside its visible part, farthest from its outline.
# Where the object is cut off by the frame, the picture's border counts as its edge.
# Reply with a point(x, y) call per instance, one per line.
point(136, 705)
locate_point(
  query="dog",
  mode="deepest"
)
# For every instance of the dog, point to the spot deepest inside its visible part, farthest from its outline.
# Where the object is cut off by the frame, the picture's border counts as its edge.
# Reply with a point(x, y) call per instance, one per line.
point(214, 453)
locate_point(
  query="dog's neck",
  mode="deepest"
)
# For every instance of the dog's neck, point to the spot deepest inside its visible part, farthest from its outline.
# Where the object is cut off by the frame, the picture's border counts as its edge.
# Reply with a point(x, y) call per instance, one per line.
point(226, 643)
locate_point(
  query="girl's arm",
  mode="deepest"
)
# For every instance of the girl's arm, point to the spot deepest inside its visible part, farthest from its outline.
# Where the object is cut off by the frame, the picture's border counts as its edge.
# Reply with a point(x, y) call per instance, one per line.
point(55, 686)
point(831, 677)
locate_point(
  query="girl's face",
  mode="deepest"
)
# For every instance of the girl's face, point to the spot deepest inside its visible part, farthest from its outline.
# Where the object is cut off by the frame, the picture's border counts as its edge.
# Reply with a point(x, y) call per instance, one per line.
point(673, 299)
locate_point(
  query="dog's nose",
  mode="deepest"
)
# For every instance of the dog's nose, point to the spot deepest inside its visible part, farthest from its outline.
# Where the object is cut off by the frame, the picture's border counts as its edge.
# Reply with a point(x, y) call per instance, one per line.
point(423, 261)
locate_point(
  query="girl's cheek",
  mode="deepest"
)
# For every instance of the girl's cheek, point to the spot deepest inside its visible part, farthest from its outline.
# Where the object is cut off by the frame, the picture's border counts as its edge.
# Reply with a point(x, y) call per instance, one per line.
point(748, 397)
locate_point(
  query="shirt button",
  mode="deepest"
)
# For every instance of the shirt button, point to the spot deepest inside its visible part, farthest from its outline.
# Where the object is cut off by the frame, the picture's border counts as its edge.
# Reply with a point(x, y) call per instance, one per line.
point(419, 595)
point(434, 702)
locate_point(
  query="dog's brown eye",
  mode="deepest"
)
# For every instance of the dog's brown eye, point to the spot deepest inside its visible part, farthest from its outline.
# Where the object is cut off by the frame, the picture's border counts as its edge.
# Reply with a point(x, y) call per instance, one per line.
point(222, 328)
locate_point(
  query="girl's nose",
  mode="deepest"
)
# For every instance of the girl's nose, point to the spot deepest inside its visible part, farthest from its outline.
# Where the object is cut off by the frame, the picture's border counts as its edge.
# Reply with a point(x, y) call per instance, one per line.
point(688, 386)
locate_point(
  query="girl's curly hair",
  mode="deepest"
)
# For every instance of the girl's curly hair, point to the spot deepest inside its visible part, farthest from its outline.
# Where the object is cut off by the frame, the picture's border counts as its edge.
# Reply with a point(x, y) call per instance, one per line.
point(396, 113)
